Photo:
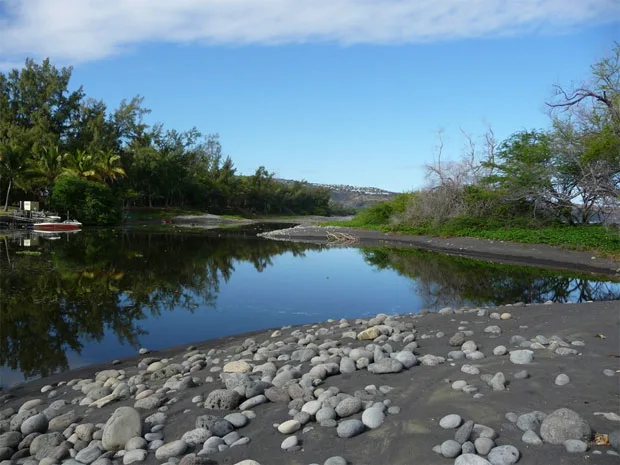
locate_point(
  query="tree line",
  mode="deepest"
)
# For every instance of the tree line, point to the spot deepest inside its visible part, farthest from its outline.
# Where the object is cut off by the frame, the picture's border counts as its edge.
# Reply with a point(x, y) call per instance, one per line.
point(566, 174)
point(72, 152)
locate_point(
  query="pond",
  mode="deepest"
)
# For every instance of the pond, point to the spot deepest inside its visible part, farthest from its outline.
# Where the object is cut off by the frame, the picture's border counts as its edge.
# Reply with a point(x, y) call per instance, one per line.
point(73, 300)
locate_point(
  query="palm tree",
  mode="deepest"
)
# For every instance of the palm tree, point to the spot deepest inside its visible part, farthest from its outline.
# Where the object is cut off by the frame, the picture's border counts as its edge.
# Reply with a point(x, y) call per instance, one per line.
point(109, 166)
point(45, 166)
point(12, 160)
point(81, 164)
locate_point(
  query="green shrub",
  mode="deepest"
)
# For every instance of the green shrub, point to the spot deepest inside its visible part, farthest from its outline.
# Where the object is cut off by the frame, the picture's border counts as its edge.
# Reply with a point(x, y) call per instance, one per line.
point(91, 203)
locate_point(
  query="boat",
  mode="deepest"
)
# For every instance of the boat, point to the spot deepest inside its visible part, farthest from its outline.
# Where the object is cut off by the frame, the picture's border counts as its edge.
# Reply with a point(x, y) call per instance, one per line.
point(67, 225)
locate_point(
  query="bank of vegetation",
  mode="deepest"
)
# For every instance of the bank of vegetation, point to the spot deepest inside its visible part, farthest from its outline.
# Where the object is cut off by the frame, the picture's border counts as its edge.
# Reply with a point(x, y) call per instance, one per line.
point(71, 152)
point(558, 186)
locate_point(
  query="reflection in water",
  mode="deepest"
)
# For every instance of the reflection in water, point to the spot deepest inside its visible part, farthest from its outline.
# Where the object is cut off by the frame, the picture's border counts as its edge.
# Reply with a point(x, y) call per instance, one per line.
point(65, 296)
point(57, 295)
point(442, 280)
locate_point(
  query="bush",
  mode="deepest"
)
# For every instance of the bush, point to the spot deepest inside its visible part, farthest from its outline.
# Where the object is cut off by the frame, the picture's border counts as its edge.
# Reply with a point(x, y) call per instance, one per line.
point(89, 202)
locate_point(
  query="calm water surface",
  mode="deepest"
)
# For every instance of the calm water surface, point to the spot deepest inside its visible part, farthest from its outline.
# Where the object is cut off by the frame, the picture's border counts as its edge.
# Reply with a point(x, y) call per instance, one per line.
point(97, 295)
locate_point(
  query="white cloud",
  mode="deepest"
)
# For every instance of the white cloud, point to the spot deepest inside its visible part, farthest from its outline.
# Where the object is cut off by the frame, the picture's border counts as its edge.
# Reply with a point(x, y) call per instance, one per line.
point(83, 30)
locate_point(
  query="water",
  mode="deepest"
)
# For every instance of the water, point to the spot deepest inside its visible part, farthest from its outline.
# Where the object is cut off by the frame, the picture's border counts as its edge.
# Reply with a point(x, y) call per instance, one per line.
point(97, 295)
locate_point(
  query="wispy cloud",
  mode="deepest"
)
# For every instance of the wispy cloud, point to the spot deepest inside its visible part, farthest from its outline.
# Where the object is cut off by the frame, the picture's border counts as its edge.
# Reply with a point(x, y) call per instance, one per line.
point(83, 30)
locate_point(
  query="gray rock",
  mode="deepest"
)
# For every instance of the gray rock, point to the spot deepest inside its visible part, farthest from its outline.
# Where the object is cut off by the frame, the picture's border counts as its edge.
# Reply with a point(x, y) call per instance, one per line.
point(123, 425)
point(350, 428)
point(223, 399)
point(484, 445)
point(564, 424)
point(500, 350)
point(149, 403)
point(462, 434)
point(450, 421)
point(450, 449)
point(221, 428)
point(348, 407)
point(135, 455)
point(406, 357)
point(562, 379)
point(253, 402)
point(171, 449)
point(61, 422)
point(575, 446)
point(238, 420)
point(336, 460)
point(521, 357)
point(386, 365)
point(493, 330)
point(530, 421)
point(614, 439)
point(468, 448)
point(470, 459)
point(373, 417)
point(136, 443)
point(231, 438)
point(276, 394)
point(289, 427)
point(196, 437)
point(347, 365)
point(289, 443)
point(457, 340)
point(21, 417)
point(531, 438)
point(85, 431)
point(10, 439)
point(503, 455)
point(498, 382)
point(42, 446)
point(325, 413)
point(6, 453)
point(523, 374)
point(482, 431)
point(89, 454)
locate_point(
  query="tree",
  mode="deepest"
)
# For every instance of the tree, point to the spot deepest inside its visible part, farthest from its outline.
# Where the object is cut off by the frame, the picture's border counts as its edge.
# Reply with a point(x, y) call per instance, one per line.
point(12, 161)
point(44, 167)
point(91, 202)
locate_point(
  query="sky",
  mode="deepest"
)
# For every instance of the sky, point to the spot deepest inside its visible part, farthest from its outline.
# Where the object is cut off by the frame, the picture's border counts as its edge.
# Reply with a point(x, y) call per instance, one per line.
point(330, 91)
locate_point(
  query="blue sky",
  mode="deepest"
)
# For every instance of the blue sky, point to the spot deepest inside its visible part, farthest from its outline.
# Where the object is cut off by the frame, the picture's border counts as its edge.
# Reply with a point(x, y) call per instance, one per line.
point(339, 91)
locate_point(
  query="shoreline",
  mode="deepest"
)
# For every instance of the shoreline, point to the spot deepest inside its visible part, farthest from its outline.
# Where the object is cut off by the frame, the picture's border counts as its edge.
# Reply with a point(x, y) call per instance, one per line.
point(423, 393)
point(538, 255)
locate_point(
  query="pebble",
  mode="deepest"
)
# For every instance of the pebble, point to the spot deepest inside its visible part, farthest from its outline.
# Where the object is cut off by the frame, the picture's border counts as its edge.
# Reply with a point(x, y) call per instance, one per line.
point(562, 379)
point(450, 421)
point(500, 350)
point(484, 445)
point(504, 455)
point(350, 428)
point(373, 417)
point(171, 449)
point(531, 438)
point(521, 357)
point(335, 460)
point(575, 446)
point(289, 442)
point(136, 455)
point(450, 449)
point(289, 427)
point(471, 459)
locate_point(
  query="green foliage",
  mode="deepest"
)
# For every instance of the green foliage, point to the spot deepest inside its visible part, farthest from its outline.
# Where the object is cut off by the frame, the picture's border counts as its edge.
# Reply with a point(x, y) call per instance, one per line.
point(91, 202)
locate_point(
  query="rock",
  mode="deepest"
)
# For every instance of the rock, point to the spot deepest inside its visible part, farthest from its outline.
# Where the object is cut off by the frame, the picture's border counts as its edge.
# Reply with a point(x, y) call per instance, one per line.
point(123, 425)
point(498, 382)
point(196, 437)
point(575, 446)
point(10, 439)
point(221, 427)
point(500, 350)
point(289, 427)
point(61, 422)
point(223, 399)
point(469, 346)
point(171, 449)
point(457, 340)
point(335, 460)
point(562, 379)
point(406, 357)
point(484, 445)
point(503, 455)
point(238, 420)
point(386, 365)
point(462, 434)
point(450, 421)
point(505, 316)
point(289, 442)
point(311, 407)
point(564, 424)
point(253, 402)
point(5, 454)
point(89, 454)
point(470, 459)
point(468, 448)
point(276, 394)
point(493, 330)
point(482, 431)
point(450, 449)
point(523, 374)
point(238, 366)
point(136, 443)
point(193, 459)
point(347, 365)
point(149, 403)
point(369, 334)
point(373, 417)
point(247, 462)
point(20, 418)
point(430, 360)
point(614, 439)
point(348, 407)
point(325, 413)
point(349, 428)
point(135, 455)
point(521, 357)
point(531, 438)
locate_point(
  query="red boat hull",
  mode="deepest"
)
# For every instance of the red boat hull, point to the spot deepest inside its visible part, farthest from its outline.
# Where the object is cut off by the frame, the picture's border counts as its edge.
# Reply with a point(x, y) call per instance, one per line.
point(56, 227)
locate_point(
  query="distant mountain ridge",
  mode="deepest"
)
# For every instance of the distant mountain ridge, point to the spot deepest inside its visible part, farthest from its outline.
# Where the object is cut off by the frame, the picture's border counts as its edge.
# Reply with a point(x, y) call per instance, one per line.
point(352, 197)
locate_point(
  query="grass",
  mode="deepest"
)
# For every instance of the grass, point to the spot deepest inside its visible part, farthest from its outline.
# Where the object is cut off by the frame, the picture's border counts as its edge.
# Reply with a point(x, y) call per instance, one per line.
point(598, 239)
point(137, 214)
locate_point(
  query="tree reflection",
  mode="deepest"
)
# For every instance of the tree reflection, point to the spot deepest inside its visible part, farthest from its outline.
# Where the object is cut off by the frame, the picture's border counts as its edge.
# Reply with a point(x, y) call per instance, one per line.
point(442, 280)
point(82, 285)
